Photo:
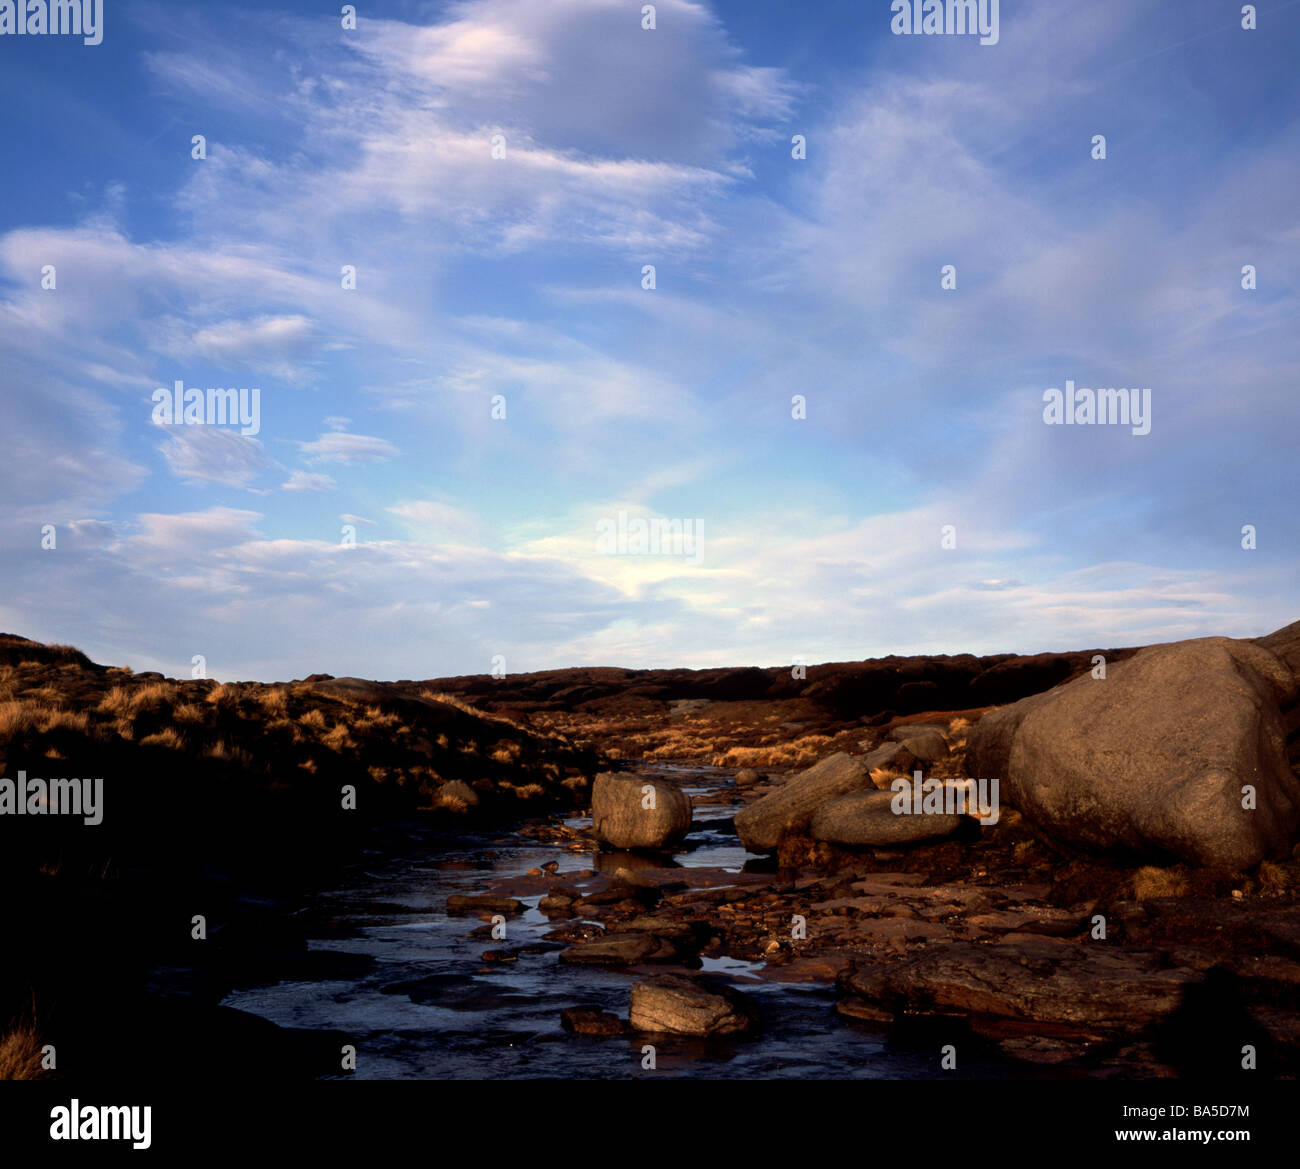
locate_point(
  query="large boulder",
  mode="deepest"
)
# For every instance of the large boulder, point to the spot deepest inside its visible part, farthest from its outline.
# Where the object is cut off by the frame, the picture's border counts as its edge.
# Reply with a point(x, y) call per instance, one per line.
point(1153, 758)
point(1285, 646)
point(687, 1006)
point(868, 818)
point(761, 825)
point(626, 815)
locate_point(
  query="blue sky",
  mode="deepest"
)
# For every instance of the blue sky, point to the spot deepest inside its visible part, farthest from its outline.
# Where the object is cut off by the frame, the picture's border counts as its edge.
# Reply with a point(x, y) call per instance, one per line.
point(820, 537)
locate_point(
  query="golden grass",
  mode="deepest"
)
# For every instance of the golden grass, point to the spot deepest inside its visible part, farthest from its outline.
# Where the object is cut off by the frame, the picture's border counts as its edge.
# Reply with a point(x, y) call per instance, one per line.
point(801, 752)
point(1151, 881)
point(153, 697)
point(167, 737)
point(506, 751)
point(460, 704)
point(338, 738)
point(20, 1054)
point(65, 720)
point(1275, 878)
point(116, 701)
point(223, 694)
point(16, 718)
point(314, 719)
point(274, 700)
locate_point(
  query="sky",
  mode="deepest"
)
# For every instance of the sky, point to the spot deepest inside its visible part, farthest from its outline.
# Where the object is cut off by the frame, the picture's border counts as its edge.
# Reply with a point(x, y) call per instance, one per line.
point(859, 453)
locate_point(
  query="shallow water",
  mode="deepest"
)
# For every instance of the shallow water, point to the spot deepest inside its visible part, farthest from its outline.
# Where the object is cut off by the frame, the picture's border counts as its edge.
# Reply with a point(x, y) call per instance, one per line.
point(430, 1008)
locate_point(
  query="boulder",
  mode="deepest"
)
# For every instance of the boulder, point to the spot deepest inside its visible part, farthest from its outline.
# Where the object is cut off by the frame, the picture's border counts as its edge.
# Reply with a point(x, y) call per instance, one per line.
point(620, 816)
point(687, 1006)
point(927, 746)
point(761, 825)
point(867, 817)
point(1152, 759)
point(1083, 987)
point(1284, 644)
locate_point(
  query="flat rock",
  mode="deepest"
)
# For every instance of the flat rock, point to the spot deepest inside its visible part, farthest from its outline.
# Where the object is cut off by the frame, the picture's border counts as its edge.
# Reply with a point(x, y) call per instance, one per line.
point(1088, 987)
point(621, 949)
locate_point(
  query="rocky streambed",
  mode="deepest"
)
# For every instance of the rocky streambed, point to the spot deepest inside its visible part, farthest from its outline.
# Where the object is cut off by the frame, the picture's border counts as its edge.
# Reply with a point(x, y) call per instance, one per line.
point(543, 954)
point(423, 989)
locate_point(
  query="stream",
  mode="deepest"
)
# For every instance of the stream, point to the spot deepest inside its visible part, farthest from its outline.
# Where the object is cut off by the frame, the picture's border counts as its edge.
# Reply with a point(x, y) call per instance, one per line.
point(430, 1008)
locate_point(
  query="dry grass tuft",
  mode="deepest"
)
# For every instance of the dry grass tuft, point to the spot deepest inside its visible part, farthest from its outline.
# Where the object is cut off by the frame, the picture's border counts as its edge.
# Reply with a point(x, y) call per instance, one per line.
point(223, 694)
point(16, 718)
point(506, 751)
point(1275, 878)
point(1151, 881)
point(20, 1054)
point(274, 700)
point(65, 720)
point(339, 738)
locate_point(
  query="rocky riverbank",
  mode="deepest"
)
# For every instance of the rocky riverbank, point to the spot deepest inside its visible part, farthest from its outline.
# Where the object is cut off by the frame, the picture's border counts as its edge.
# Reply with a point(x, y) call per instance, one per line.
point(1128, 907)
point(988, 940)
